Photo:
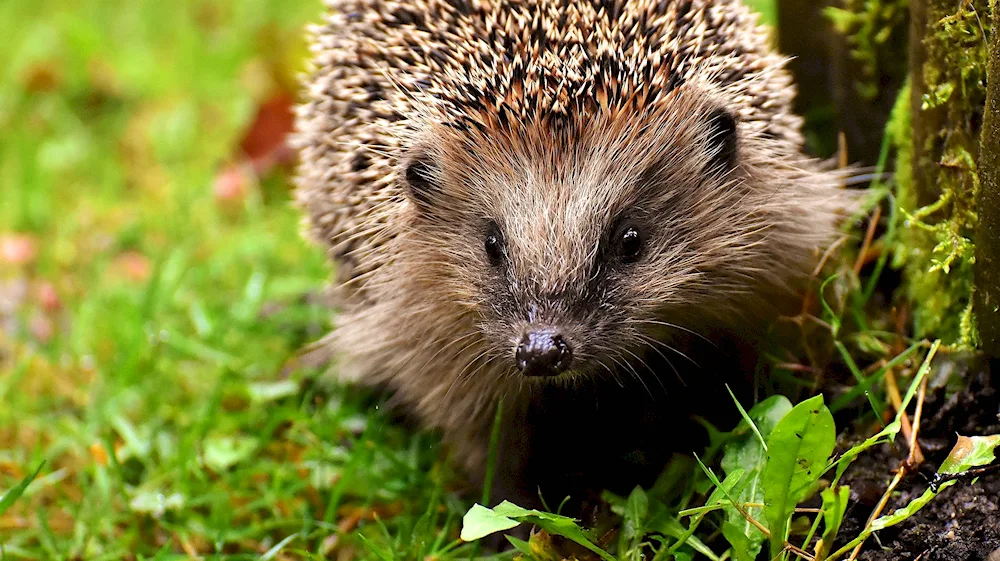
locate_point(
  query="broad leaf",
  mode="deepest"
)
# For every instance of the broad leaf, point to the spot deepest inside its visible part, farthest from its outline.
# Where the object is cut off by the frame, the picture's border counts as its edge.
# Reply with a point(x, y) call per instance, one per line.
point(798, 450)
point(480, 522)
point(970, 452)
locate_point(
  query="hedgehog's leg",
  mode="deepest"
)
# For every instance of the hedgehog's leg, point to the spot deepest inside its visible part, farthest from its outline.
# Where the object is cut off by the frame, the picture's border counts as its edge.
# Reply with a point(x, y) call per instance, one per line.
point(469, 439)
point(512, 473)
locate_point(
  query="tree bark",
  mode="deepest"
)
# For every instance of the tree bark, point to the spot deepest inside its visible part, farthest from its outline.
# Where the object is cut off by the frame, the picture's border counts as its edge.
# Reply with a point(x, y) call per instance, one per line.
point(948, 95)
point(925, 123)
point(988, 204)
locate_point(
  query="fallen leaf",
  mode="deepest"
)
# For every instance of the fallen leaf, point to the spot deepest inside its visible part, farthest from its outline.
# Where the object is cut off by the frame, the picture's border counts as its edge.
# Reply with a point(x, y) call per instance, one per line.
point(132, 266)
point(18, 249)
point(233, 184)
point(99, 453)
point(48, 298)
point(42, 77)
point(970, 452)
point(266, 141)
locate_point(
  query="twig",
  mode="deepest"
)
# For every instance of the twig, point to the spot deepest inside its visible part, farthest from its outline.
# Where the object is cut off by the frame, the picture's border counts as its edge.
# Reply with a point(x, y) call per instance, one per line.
point(842, 160)
point(869, 236)
point(799, 551)
point(796, 367)
point(880, 507)
point(916, 456)
point(827, 255)
point(897, 402)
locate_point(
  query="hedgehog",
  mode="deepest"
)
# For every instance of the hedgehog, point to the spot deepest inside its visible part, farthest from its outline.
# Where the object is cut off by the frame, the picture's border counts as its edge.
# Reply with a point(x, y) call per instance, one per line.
point(570, 222)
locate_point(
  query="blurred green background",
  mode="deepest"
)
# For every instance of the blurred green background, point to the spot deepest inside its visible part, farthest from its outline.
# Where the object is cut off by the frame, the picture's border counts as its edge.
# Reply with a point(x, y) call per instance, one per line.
point(154, 291)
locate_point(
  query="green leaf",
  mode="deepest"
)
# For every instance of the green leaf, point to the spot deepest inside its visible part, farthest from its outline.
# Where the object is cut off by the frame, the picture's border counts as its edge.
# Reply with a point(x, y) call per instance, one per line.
point(746, 452)
point(553, 523)
point(480, 522)
point(633, 524)
point(740, 544)
point(671, 527)
point(520, 545)
point(901, 514)
point(223, 452)
point(798, 450)
point(264, 392)
point(10, 497)
point(834, 507)
point(885, 435)
point(722, 494)
point(970, 452)
point(154, 502)
point(381, 553)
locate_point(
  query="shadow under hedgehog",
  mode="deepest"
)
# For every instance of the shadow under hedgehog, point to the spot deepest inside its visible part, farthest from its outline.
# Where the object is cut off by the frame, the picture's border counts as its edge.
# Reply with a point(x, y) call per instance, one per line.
point(590, 209)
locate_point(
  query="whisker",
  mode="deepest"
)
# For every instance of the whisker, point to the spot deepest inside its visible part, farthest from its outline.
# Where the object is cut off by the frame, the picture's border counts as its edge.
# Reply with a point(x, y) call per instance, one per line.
point(653, 345)
point(679, 327)
point(671, 348)
point(647, 368)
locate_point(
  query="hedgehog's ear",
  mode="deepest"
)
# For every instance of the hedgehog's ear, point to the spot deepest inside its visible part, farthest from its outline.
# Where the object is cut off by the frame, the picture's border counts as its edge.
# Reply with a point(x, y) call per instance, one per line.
point(722, 140)
point(422, 178)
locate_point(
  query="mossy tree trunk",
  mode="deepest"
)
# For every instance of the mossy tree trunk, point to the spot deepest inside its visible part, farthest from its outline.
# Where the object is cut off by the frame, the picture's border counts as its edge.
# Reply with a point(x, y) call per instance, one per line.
point(851, 56)
point(988, 205)
point(938, 191)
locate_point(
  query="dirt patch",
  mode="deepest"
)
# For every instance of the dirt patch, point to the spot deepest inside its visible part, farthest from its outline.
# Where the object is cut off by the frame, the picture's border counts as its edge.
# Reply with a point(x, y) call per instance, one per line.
point(963, 522)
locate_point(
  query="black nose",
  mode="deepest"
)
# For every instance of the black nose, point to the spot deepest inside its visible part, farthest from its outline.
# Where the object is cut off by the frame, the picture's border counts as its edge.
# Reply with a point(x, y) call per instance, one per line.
point(543, 353)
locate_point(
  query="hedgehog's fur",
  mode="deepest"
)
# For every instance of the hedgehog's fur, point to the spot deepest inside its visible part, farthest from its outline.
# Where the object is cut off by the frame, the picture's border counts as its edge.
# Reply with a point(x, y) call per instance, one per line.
point(427, 119)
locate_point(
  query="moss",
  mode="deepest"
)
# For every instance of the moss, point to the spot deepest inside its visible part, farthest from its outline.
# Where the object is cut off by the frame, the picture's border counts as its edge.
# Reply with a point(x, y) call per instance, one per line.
point(938, 176)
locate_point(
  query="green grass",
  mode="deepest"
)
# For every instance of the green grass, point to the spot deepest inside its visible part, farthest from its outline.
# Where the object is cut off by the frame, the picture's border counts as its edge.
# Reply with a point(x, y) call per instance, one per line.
point(160, 391)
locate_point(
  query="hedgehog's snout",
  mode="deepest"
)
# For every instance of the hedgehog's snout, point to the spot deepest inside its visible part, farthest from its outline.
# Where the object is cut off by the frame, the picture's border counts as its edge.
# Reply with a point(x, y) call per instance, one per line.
point(543, 352)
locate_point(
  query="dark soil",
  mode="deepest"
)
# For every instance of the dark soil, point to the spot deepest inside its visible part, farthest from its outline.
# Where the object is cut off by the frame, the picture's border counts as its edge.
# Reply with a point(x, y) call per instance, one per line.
point(963, 522)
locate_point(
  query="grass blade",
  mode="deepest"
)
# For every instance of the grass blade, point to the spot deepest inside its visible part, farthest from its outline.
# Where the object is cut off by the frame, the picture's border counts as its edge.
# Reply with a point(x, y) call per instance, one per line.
point(10, 497)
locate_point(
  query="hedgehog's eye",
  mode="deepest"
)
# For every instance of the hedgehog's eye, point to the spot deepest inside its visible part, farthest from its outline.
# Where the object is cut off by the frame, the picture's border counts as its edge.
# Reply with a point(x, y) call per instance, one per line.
point(630, 242)
point(493, 244)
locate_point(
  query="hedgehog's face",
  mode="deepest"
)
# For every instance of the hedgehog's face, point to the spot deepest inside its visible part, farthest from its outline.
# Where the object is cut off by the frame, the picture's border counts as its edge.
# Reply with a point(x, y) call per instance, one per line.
point(582, 253)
